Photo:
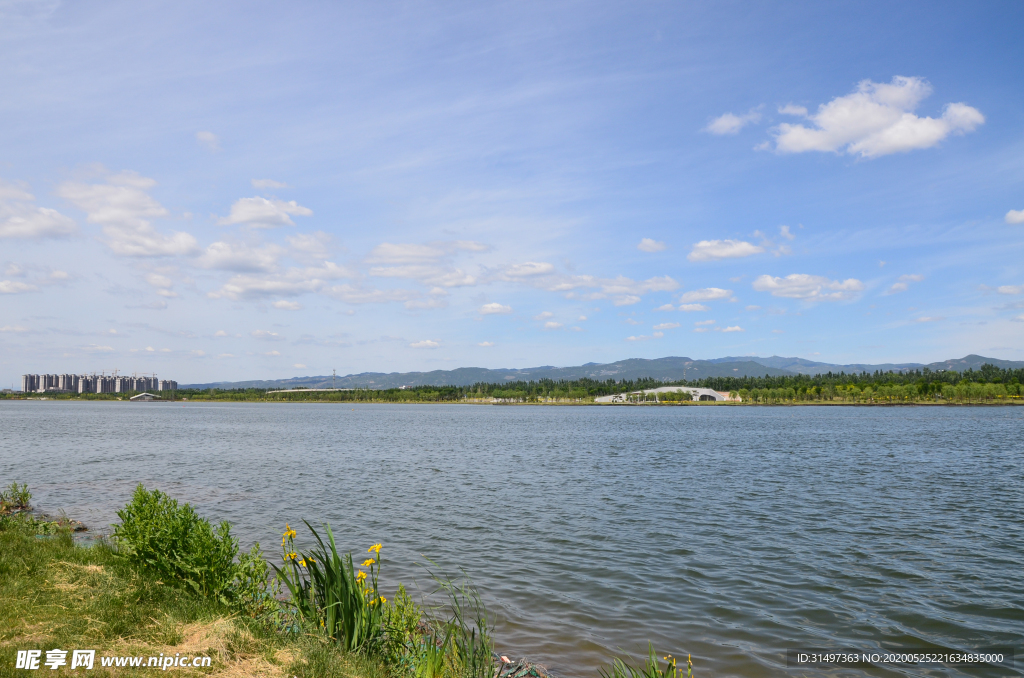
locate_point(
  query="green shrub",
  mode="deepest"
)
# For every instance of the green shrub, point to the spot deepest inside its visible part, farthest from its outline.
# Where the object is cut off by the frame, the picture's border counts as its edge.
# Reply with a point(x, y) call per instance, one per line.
point(402, 630)
point(253, 592)
point(175, 542)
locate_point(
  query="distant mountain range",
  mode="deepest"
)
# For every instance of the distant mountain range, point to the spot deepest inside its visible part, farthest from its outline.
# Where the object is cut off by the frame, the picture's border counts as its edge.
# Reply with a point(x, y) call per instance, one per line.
point(664, 369)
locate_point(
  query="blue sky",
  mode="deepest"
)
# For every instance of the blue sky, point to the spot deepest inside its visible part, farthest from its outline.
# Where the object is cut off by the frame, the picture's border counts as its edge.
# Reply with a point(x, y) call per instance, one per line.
point(228, 191)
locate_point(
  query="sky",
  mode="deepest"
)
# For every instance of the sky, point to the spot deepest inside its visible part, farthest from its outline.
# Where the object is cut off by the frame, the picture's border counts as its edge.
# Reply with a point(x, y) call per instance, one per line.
point(227, 191)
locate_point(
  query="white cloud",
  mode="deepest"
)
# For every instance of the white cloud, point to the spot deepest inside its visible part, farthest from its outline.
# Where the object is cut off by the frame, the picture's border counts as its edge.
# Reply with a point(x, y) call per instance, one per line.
point(544, 315)
point(268, 183)
point(426, 343)
point(310, 247)
point(552, 325)
point(266, 335)
point(730, 123)
point(291, 282)
point(429, 274)
point(287, 305)
point(649, 245)
point(494, 309)
point(486, 344)
point(15, 287)
point(708, 250)
point(1015, 217)
point(700, 329)
point(404, 253)
point(784, 232)
point(352, 294)
point(666, 307)
point(706, 294)
point(753, 308)
point(903, 283)
point(263, 213)
point(299, 366)
point(644, 337)
point(426, 303)
point(157, 280)
point(812, 287)
point(928, 320)
point(209, 140)
point(666, 326)
point(94, 348)
point(625, 300)
point(734, 328)
point(240, 257)
point(875, 120)
point(690, 308)
point(470, 246)
point(272, 353)
point(220, 333)
point(428, 264)
point(20, 218)
point(13, 328)
point(1010, 289)
point(704, 322)
point(528, 269)
point(792, 109)
point(123, 208)
point(581, 318)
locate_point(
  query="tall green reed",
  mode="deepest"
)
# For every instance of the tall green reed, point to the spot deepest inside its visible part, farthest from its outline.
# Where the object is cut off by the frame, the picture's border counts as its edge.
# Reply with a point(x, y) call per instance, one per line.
point(651, 668)
point(466, 625)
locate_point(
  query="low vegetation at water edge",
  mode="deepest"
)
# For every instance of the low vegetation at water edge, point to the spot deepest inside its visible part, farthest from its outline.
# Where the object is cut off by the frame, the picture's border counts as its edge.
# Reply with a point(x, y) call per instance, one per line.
point(170, 584)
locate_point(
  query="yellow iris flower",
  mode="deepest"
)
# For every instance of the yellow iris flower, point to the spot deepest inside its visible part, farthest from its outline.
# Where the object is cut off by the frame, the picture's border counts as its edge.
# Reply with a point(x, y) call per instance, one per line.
point(375, 547)
point(302, 562)
point(360, 576)
point(368, 562)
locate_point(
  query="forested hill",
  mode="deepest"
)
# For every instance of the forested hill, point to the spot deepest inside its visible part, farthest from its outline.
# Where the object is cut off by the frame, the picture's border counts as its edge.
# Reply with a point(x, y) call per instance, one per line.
point(672, 369)
point(663, 369)
point(802, 366)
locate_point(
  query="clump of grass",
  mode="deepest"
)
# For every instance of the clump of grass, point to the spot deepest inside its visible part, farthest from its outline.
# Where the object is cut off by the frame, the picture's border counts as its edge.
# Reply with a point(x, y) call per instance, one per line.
point(651, 668)
point(465, 628)
point(15, 498)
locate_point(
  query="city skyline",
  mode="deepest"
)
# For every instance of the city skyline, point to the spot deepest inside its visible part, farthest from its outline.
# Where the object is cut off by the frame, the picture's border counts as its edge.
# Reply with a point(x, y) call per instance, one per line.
point(226, 195)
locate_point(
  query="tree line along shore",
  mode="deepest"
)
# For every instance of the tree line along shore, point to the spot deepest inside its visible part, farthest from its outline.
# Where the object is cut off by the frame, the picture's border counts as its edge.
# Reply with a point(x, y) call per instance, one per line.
point(987, 385)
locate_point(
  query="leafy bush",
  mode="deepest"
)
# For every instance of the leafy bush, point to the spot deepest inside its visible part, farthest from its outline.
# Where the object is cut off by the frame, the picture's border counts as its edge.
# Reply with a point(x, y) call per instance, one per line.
point(175, 542)
point(402, 629)
point(254, 594)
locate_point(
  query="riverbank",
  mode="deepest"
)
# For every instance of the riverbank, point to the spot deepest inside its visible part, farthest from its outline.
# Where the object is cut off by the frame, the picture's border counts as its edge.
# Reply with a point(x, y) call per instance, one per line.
point(58, 595)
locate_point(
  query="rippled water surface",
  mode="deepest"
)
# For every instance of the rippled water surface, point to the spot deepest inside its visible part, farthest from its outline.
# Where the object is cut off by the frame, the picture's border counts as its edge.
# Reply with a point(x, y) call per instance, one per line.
point(730, 533)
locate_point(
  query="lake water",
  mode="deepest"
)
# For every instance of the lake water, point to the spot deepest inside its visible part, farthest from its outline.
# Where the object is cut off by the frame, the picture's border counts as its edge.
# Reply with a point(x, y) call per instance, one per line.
point(732, 533)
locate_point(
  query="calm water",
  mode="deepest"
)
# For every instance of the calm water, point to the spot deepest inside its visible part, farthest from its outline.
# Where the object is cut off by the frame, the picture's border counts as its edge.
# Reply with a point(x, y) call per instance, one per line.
point(730, 533)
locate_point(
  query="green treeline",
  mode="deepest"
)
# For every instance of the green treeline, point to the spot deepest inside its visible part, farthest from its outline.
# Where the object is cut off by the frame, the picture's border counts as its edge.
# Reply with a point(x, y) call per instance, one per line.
point(988, 383)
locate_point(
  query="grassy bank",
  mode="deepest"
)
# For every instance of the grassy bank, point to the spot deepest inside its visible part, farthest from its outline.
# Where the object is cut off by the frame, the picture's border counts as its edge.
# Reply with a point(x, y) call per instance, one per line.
point(169, 585)
point(55, 594)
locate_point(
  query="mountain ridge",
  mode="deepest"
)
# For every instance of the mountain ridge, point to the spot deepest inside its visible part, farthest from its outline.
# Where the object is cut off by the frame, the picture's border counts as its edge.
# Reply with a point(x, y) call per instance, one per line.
point(670, 368)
